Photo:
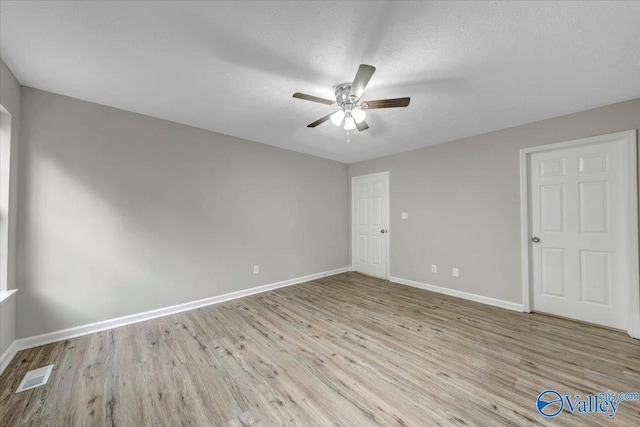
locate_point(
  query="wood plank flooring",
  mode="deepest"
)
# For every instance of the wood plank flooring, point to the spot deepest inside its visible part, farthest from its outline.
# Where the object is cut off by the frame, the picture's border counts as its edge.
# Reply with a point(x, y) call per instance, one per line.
point(346, 350)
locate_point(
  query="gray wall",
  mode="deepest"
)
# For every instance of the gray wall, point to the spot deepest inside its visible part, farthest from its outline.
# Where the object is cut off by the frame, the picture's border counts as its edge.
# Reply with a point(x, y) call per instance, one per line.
point(123, 213)
point(463, 200)
point(10, 99)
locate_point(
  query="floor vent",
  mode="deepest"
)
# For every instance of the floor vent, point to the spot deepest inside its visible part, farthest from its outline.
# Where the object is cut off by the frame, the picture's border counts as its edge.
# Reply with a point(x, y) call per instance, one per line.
point(35, 378)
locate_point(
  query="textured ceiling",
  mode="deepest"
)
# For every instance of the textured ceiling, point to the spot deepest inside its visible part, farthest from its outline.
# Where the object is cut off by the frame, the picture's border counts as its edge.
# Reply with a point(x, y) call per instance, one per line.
point(232, 67)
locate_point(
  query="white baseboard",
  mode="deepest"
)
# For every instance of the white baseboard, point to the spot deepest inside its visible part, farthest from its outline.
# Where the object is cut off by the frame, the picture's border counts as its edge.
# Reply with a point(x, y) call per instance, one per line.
point(7, 356)
point(38, 340)
point(460, 294)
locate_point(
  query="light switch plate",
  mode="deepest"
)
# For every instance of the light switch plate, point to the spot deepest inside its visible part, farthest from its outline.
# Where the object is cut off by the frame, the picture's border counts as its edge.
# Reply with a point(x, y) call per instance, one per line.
point(434, 268)
point(455, 272)
point(404, 215)
point(256, 269)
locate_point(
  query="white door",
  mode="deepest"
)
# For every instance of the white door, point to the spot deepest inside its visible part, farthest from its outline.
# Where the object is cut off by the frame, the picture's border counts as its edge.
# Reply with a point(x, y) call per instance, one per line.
point(578, 209)
point(369, 211)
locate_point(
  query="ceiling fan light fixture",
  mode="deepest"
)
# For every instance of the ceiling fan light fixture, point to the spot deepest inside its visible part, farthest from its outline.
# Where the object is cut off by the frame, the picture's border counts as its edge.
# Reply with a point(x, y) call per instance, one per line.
point(349, 123)
point(337, 117)
point(358, 115)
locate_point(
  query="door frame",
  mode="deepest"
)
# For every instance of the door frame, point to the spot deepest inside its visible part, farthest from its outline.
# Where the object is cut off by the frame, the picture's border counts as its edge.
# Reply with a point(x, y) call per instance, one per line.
point(631, 217)
point(387, 209)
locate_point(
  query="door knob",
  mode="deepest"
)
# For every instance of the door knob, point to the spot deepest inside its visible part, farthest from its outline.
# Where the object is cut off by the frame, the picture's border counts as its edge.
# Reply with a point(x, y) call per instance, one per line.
point(383, 231)
point(535, 239)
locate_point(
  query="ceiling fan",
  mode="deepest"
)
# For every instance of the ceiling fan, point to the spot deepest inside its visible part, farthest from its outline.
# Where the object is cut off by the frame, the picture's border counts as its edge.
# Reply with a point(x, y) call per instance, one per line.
point(352, 110)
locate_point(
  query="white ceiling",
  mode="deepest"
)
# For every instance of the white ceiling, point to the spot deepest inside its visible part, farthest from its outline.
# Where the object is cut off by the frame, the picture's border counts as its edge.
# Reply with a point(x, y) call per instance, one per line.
point(231, 67)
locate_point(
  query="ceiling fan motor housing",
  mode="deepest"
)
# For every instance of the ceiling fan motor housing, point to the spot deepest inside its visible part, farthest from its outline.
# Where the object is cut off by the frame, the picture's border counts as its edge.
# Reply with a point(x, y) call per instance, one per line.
point(342, 93)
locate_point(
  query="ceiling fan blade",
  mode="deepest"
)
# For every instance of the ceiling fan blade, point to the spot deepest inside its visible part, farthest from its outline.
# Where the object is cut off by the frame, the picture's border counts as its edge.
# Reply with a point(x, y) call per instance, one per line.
point(312, 98)
point(388, 103)
point(320, 121)
point(362, 79)
point(362, 126)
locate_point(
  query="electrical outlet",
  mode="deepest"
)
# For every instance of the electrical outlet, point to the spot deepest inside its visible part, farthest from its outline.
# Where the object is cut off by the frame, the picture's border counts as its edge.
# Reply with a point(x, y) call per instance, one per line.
point(434, 268)
point(455, 272)
point(404, 215)
point(256, 269)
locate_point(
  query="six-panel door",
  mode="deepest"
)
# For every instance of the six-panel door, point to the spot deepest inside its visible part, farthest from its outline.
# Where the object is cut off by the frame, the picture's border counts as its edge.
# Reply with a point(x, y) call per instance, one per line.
point(369, 224)
point(577, 205)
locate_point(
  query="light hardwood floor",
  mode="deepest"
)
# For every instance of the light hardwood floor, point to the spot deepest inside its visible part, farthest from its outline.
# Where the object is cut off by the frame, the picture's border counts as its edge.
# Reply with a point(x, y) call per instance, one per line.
point(347, 350)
